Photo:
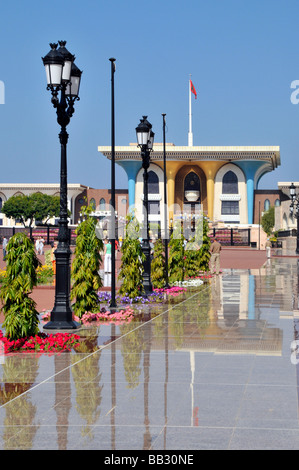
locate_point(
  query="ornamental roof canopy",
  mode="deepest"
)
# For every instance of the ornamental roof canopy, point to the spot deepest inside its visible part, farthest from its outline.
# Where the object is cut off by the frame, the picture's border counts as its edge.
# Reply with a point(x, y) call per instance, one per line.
point(269, 154)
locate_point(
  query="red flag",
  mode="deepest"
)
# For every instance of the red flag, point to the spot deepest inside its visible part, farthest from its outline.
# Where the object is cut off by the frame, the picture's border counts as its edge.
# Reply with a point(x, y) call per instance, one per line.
point(193, 89)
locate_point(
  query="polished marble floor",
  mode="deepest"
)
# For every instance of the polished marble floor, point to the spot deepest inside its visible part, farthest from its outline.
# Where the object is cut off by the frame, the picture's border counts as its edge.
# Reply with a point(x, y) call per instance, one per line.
point(215, 368)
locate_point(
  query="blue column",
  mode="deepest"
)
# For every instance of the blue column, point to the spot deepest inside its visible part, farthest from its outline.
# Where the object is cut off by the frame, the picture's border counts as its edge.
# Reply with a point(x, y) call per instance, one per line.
point(249, 168)
point(131, 167)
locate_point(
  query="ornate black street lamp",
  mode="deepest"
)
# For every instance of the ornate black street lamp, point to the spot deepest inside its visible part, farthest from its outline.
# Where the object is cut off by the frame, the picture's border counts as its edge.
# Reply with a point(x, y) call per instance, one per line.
point(145, 140)
point(62, 76)
point(294, 210)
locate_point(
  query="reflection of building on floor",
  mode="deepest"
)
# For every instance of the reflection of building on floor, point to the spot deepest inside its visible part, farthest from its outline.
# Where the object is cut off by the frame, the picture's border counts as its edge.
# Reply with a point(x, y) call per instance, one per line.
point(230, 329)
point(275, 279)
point(237, 292)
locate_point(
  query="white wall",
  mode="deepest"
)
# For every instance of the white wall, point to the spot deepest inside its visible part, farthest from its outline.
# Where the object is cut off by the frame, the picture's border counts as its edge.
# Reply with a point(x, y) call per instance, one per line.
point(242, 218)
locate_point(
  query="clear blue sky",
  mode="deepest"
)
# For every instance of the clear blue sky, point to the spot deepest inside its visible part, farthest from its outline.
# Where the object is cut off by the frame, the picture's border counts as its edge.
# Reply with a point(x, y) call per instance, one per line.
point(243, 57)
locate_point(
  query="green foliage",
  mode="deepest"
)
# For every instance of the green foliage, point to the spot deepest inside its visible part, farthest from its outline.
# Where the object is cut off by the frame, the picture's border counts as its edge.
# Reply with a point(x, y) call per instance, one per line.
point(158, 275)
point(44, 274)
point(189, 261)
point(268, 220)
point(86, 266)
point(176, 254)
point(48, 255)
point(204, 250)
point(131, 350)
point(21, 317)
point(131, 261)
point(36, 206)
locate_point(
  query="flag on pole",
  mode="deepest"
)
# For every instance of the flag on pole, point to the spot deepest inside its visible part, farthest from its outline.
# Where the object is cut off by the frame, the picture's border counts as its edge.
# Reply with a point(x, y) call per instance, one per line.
point(193, 89)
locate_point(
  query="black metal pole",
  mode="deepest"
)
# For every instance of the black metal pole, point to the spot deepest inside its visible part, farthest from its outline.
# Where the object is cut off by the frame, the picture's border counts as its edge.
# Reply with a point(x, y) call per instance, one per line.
point(62, 315)
point(147, 285)
point(165, 207)
point(112, 218)
point(259, 225)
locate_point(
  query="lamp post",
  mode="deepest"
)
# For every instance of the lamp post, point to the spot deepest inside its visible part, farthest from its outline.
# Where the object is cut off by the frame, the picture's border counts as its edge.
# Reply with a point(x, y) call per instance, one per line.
point(62, 76)
point(145, 140)
point(165, 206)
point(294, 210)
point(113, 304)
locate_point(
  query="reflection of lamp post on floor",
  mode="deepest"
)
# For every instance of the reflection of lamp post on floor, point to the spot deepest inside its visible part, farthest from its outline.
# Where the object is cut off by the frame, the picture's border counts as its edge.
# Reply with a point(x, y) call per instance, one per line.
point(294, 210)
point(62, 76)
point(145, 140)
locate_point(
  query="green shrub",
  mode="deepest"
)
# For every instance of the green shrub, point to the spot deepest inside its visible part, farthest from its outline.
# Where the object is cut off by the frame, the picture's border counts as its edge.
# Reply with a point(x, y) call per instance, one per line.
point(204, 254)
point(131, 268)
point(86, 266)
point(176, 255)
point(21, 317)
point(158, 274)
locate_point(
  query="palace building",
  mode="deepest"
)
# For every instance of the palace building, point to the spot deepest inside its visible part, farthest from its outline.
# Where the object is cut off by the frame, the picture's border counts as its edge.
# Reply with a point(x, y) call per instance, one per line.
point(223, 180)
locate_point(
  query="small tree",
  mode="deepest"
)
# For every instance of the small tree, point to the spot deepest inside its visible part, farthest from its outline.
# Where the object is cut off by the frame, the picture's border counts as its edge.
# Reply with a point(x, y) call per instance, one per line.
point(268, 220)
point(86, 266)
point(191, 259)
point(158, 274)
point(21, 316)
point(131, 268)
point(36, 206)
point(195, 257)
point(204, 254)
point(176, 254)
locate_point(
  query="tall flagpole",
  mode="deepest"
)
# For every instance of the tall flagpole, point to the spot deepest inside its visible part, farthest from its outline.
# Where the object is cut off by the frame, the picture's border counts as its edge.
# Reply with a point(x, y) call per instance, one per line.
point(190, 135)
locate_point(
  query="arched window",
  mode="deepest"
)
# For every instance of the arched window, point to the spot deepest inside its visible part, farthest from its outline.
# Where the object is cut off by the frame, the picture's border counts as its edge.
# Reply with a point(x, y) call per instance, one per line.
point(277, 202)
point(266, 205)
point(153, 183)
point(1, 202)
point(92, 203)
point(230, 183)
point(102, 204)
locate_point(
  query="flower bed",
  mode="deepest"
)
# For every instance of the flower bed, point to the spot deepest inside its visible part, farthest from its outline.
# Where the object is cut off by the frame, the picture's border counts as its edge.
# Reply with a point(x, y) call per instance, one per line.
point(41, 342)
point(123, 316)
point(103, 315)
point(174, 291)
point(156, 296)
point(44, 274)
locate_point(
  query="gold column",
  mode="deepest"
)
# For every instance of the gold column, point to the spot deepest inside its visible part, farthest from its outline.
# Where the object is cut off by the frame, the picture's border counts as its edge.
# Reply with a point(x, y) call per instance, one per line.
point(171, 171)
point(210, 169)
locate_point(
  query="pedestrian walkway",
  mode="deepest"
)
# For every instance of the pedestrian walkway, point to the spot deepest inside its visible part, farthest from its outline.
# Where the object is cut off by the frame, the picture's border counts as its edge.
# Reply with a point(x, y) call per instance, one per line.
point(215, 368)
